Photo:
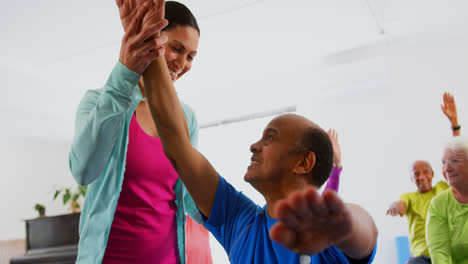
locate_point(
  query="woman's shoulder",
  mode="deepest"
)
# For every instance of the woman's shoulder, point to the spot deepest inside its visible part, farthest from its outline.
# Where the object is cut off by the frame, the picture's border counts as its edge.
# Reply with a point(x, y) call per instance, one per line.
point(442, 199)
point(444, 195)
point(441, 186)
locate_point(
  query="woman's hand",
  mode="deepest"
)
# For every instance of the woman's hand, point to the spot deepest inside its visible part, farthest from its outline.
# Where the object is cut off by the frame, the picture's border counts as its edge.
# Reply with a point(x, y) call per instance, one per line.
point(128, 9)
point(142, 42)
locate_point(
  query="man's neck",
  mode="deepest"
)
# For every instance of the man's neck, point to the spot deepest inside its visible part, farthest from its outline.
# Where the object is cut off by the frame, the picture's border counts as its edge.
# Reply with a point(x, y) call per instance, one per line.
point(425, 191)
point(271, 203)
point(280, 192)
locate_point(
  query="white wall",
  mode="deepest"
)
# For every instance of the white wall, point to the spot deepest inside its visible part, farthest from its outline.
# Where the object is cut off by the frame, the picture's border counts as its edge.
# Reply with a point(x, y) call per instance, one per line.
point(31, 170)
point(382, 97)
point(386, 109)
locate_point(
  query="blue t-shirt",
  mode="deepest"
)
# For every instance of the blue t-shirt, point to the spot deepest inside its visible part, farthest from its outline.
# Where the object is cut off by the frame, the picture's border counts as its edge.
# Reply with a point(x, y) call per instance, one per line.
point(242, 228)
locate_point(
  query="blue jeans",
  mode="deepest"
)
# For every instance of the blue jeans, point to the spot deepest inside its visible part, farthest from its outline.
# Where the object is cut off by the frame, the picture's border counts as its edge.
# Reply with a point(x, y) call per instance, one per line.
point(419, 260)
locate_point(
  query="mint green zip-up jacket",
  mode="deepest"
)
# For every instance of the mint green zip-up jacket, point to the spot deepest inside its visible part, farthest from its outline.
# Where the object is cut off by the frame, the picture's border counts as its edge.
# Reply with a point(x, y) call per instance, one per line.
point(97, 159)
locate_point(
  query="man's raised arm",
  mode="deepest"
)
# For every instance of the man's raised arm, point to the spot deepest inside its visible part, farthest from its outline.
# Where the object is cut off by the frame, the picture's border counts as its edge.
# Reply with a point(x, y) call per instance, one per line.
point(200, 178)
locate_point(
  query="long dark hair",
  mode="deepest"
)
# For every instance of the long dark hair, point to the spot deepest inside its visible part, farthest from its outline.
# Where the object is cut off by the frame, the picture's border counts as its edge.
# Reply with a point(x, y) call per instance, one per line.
point(179, 15)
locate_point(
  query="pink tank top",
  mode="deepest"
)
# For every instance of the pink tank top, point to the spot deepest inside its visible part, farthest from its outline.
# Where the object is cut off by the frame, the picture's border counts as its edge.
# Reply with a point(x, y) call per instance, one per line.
point(144, 228)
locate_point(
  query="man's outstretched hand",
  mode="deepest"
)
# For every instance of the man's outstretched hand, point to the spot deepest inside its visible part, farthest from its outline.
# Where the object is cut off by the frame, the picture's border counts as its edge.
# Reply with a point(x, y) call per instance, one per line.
point(397, 208)
point(309, 222)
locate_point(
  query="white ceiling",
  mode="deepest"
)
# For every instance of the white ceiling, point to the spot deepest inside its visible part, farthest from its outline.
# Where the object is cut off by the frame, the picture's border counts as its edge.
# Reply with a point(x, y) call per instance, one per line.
point(253, 55)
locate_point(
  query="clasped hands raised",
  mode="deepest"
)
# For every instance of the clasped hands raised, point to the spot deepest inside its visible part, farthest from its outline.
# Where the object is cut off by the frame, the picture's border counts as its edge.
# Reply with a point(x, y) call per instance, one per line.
point(142, 21)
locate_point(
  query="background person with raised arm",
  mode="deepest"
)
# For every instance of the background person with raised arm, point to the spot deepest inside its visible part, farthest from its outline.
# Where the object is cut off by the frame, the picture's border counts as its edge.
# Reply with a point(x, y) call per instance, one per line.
point(449, 108)
point(333, 182)
point(414, 204)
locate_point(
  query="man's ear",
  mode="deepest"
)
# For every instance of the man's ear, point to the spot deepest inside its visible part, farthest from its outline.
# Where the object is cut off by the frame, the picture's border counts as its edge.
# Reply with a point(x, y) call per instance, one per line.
point(306, 163)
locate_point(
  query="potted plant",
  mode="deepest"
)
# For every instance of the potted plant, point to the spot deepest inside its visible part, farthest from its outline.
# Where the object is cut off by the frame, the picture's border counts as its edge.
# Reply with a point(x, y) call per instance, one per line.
point(40, 209)
point(54, 238)
point(71, 195)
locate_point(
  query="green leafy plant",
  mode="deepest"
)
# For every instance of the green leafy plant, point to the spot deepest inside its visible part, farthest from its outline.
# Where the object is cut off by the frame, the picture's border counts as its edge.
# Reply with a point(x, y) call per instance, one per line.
point(71, 195)
point(40, 209)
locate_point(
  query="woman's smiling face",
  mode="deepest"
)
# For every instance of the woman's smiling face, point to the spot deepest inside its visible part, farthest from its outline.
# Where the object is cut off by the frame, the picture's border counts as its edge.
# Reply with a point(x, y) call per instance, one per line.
point(455, 166)
point(181, 49)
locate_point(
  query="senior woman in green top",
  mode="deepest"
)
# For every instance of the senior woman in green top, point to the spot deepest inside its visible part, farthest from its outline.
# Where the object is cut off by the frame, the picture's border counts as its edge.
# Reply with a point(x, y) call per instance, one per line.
point(447, 219)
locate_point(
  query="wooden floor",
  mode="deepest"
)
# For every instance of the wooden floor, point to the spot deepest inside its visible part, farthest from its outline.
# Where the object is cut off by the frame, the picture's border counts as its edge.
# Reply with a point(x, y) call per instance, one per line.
point(11, 248)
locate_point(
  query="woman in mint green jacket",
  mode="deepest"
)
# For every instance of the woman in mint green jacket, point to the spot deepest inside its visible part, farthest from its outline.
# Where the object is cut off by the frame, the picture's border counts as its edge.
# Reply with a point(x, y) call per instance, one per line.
point(104, 123)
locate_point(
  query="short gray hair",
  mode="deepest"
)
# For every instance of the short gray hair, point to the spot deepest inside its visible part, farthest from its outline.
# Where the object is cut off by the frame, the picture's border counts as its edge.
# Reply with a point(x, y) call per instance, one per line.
point(423, 161)
point(458, 144)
